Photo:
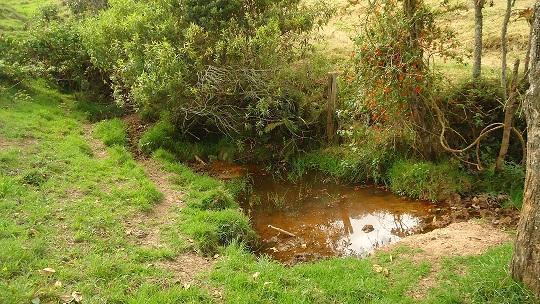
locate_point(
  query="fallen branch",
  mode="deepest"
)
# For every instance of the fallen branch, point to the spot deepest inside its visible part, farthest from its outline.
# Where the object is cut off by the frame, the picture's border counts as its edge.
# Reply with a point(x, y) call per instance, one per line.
point(197, 158)
point(282, 231)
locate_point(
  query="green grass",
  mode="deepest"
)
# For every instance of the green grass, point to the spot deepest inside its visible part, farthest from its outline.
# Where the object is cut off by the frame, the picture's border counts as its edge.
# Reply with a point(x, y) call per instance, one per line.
point(427, 180)
point(112, 132)
point(65, 208)
point(481, 279)
point(15, 13)
point(212, 218)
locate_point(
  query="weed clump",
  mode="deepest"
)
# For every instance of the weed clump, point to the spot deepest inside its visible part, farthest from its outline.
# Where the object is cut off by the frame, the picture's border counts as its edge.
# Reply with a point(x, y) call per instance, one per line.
point(362, 165)
point(510, 180)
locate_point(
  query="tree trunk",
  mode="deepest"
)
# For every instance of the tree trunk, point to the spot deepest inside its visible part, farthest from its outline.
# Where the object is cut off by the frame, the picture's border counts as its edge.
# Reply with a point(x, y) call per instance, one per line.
point(528, 55)
point(510, 109)
point(525, 266)
point(504, 48)
point(478, 24)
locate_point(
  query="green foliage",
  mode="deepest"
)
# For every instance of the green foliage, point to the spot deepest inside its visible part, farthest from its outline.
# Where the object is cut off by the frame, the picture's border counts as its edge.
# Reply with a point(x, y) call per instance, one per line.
point(223, 71)
point(391, 65)
point(54, 48)
point(82, 7)
point(160, 135)
point(96, 110)
point(163, 135)
point(366, 157)
point(426, 180)
point(509, 181)
point(112, 132)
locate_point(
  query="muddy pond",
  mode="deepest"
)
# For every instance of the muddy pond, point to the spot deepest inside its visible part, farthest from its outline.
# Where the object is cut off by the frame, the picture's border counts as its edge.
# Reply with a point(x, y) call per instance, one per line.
point(309, 220)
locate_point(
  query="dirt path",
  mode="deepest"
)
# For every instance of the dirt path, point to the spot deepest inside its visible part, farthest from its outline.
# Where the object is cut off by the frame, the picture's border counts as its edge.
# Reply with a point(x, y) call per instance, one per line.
point(457, 239)
point(146, 229)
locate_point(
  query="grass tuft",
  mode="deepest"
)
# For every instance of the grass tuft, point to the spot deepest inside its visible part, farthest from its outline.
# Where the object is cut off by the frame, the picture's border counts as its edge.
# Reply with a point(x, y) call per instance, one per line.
point(112, 132)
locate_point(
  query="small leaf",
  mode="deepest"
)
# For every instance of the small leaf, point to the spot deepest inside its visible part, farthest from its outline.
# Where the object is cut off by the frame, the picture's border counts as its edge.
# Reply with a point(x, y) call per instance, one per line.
point(48, 270)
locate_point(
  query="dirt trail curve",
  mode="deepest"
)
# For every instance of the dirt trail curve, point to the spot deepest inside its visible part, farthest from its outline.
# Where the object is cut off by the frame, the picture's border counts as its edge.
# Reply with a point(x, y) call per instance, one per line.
point(145, 229)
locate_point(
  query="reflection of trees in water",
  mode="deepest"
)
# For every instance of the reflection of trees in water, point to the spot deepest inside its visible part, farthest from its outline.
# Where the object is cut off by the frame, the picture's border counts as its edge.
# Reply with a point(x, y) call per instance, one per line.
point(327, 221)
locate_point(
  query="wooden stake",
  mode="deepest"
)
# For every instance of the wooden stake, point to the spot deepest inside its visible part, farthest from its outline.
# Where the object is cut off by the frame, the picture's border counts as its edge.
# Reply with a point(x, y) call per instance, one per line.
point(331, 107)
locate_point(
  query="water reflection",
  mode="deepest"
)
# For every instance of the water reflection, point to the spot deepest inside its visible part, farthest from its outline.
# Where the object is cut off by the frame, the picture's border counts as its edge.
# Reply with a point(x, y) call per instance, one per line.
point(328, 220)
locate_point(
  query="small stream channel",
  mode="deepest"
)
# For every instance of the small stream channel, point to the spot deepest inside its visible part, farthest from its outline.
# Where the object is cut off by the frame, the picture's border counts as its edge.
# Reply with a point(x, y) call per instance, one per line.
point(329, 219)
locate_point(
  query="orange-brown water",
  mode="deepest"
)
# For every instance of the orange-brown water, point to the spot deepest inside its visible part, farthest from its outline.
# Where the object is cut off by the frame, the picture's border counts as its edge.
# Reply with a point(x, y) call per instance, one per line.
point(328, 219)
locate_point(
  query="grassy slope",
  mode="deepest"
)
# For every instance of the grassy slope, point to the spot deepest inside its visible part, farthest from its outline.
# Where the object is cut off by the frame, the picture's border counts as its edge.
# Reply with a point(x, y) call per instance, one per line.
point(336, 36)
point(14, 13)
point(64, 207)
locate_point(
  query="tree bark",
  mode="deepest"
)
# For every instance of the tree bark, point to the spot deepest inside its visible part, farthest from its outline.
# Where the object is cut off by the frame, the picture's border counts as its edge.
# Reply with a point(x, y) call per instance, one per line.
point(504, 48)
point(525, 266)
point(510, 109)
point(528, 54)
point(478, 25)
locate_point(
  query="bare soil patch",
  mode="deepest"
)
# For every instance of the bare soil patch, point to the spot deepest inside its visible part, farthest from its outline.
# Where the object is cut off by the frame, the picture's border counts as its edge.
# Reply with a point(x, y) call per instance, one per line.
point(458, 239)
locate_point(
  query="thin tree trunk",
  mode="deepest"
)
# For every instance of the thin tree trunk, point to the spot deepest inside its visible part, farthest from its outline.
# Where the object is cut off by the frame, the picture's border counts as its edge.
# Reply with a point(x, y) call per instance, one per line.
point(528, 55)
point(504, 48)
point(525, 266)
point(510, 109)
point(478, 25)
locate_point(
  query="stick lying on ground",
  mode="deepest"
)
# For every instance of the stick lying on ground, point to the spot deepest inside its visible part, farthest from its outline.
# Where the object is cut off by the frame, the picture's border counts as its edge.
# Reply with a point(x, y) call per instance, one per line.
point(282, 231)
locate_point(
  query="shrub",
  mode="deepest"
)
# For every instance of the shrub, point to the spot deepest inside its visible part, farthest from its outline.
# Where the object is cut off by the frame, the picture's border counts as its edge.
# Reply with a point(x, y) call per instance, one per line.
point(112, 132)
point(55, 46)
point(426, 180)
point(217, 70)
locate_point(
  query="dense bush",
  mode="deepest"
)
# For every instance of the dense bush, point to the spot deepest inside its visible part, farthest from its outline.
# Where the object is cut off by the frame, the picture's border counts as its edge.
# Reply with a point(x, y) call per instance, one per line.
point(79, 7)
point(426, 180)
point(393, 73)
point(469, 107)
point(219, 70)
point(55, 46)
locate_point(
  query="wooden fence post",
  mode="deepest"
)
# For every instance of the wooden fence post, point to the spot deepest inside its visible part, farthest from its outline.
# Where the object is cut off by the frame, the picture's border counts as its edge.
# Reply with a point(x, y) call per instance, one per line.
point(331, 107)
